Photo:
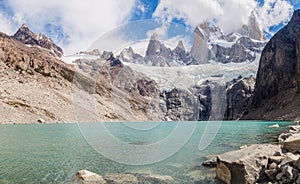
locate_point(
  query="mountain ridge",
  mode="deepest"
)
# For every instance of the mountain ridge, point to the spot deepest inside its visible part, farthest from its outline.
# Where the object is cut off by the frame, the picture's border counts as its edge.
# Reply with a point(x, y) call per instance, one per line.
point(210, 43)
point(26, 36)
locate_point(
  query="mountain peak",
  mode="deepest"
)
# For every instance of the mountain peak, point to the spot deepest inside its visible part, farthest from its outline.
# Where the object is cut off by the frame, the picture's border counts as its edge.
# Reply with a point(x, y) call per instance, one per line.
point(210, 31)
point(26, 36)
point(180, 45)
point(154, 36)
point(24, 26)
point(252, 28)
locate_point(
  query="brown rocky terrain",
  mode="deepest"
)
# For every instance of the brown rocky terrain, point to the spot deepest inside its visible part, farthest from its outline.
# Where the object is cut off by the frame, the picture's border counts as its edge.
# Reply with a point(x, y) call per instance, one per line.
point(276, 95)
point(37, 87)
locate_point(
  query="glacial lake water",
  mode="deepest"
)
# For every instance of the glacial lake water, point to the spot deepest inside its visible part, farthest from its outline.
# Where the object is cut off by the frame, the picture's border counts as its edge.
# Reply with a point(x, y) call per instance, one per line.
point(53, 153)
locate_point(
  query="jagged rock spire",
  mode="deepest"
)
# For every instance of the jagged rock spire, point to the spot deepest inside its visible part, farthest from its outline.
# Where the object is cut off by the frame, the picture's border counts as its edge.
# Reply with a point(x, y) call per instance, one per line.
point(252, 28)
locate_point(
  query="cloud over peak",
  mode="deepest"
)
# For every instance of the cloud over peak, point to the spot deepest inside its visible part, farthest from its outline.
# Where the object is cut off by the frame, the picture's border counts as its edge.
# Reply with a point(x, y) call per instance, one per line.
point(80, 21)
point(230, 15)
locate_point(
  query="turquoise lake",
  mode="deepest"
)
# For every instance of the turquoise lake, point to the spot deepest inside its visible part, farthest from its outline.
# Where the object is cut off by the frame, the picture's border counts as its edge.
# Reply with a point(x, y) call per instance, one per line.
point(53, 153)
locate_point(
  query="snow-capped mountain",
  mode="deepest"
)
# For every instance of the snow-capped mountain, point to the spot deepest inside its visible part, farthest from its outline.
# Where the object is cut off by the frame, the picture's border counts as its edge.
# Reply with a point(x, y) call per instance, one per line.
point(210, 44)
point(26, 36)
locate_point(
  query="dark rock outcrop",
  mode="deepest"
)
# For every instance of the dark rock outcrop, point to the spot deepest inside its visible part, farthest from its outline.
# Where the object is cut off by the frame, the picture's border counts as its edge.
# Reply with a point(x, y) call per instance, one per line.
point(26, 36)
point(193, 104)
point(239, 96)
point(181, 105)
point(276, 95)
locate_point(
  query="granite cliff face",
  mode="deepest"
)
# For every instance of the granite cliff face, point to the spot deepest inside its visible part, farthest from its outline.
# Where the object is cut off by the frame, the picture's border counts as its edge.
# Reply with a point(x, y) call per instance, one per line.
point(210, 43)
point(276, 94)
point(252, 29)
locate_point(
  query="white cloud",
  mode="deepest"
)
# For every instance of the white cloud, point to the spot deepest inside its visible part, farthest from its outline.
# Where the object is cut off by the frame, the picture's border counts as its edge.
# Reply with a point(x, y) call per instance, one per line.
point(6, 25)
point(81, 21)
point(161, 31)
point(192, 12)
point(274, 12)
point(228, 14)
point(173, 41)
point(235, 14)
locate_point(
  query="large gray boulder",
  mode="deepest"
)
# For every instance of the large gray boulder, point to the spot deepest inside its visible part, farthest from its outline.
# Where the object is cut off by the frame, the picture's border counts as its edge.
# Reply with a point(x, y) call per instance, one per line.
point(245, 165)
point(292, 143)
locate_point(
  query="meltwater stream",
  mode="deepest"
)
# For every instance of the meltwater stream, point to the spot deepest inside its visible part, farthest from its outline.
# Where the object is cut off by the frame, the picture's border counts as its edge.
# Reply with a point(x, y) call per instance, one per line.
point(53, 153)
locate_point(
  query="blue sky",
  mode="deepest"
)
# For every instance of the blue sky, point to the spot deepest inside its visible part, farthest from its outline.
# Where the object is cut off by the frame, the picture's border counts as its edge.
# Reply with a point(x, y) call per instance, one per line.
point(75, 26)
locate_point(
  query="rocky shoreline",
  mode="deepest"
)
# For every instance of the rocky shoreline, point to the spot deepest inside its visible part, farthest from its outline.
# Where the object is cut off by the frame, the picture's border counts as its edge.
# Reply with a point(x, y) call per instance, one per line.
point(87, 177)
point(262, 163)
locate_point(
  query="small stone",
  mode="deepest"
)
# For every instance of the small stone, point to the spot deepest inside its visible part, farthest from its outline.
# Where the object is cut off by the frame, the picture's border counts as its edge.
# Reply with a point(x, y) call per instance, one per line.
point(273, 166)
point(157, 179)
point(274, 126)
point(298, 179)
point(210, 163)
point(276, 159)
point(279, 176)
point(121, 178)
point(271, 173)
point(277, 153)
point(41, 120)
point(87, 177)
point(295, 173)
point(244, 146)
point(264, 162)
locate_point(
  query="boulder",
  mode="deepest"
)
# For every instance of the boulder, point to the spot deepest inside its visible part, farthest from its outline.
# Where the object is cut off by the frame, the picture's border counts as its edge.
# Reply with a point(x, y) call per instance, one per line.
point(288, 172)
point(274, 126)
point(245, 165)
point(292, 143)
point(157, 179)
point(282, 137)
point(273, 166)
point(294, 129)
point(290, 158)
point(121, 179)
point(276, 159)
point(211, 162)
point(87, 177)
point(41, 120)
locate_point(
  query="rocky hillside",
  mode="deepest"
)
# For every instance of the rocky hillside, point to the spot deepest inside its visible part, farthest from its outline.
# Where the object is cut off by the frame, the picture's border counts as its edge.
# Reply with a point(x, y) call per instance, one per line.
point(276, 94)
point(37, 87)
